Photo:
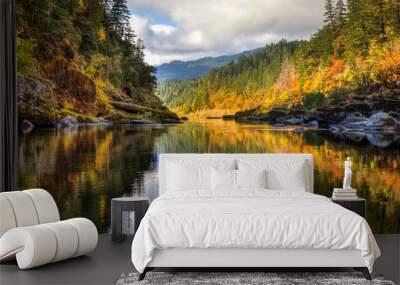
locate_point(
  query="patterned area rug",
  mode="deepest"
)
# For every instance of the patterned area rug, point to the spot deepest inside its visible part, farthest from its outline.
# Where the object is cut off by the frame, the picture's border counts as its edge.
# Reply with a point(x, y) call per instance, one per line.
point(233, 278)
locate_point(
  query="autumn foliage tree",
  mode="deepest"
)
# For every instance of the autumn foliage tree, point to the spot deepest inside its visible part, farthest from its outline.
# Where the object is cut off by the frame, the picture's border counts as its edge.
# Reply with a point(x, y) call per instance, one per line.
point(356, 51)
point(96, 35)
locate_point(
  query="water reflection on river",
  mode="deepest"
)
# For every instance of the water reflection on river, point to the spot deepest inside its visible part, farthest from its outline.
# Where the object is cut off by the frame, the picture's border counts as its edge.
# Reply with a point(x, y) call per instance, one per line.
point(84, 168)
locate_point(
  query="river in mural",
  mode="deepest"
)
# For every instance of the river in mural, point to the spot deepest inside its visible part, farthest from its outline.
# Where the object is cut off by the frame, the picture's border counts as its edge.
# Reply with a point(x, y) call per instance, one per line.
point(85, 167)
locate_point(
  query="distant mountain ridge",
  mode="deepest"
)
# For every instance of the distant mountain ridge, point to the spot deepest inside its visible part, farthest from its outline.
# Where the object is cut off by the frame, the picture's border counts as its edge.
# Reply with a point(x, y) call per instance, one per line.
point(178, 69)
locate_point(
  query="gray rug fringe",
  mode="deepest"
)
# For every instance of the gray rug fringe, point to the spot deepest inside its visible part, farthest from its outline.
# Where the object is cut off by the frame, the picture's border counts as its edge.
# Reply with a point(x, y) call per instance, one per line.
point(244, 278)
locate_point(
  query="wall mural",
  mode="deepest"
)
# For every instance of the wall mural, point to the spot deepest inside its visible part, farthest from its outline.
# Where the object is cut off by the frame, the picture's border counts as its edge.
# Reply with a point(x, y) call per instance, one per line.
point(95, 112)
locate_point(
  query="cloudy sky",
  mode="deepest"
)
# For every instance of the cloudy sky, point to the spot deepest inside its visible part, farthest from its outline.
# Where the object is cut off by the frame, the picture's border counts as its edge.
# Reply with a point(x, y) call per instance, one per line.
point(189, 29)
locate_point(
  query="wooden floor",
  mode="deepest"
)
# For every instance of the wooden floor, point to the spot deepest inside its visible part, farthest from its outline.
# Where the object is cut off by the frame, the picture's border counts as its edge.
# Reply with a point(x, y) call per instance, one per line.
point(110, 260)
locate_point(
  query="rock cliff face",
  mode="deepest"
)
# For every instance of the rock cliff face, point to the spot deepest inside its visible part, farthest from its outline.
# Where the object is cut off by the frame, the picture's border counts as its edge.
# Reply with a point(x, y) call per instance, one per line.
point(36, 100)
point(63, 92)
point(72, 85)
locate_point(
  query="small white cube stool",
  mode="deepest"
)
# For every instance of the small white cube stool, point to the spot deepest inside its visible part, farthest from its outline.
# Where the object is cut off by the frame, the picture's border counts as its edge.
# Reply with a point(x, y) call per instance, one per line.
point(31, 230)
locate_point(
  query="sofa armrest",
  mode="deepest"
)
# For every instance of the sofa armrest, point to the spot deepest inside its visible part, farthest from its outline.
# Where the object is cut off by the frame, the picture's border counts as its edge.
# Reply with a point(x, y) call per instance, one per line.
point(41, 244)
point(32, 246)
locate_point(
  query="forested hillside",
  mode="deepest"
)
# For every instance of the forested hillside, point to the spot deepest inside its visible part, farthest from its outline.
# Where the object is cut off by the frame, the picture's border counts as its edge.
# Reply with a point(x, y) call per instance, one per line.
point(232, 87)
point(80, 59)
point(356, 53)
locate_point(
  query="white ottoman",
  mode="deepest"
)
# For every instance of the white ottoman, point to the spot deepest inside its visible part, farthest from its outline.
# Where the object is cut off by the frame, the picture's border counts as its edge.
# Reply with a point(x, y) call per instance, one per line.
point(31, 232)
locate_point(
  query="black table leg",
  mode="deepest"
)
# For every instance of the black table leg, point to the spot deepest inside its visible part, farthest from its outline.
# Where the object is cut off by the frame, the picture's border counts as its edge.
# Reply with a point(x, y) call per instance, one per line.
point(116, 222)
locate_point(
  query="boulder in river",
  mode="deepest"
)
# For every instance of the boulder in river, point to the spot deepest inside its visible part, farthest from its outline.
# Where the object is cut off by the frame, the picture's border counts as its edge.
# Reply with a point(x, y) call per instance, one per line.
point(382, 140)
point(274, 115)
point(354, 121)
point(325, 116)
point(294, 121)
point(170, 121)
point(377, 139)
point(298, 130)
point(355, 137)
point(381, 121)
point(313, 124)
point(279, 125)
point(256, 114)
point(67, 122)
point(337, 129)
point(395, 115)
point(228, 117)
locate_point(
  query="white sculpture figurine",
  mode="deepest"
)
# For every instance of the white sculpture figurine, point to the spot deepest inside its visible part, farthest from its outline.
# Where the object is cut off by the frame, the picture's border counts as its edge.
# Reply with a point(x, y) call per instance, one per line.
point(347, 174)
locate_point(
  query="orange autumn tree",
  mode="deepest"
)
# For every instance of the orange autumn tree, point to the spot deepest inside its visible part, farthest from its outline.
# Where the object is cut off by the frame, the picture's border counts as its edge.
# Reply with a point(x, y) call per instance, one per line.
point(286, 92)
point(387, 69)
point(326, 78)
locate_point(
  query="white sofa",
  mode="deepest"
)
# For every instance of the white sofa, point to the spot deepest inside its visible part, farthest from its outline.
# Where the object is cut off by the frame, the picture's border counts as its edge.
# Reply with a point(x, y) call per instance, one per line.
point(31, 230)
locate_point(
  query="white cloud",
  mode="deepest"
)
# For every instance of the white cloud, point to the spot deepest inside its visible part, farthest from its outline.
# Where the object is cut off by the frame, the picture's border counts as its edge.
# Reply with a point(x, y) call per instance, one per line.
point(163, 29)
point(195, 38)
point(160, 58)
point(214, 27)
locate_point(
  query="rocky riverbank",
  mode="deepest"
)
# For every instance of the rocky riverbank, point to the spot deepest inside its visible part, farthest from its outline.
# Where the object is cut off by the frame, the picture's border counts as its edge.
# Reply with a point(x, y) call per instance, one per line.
point(373, 117)
point(44, 103)
point(354, 109)
point(381, 129)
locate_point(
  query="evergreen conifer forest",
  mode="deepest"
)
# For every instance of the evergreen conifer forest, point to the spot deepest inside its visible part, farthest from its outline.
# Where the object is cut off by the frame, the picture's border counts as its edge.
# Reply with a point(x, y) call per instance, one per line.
point(350, 62)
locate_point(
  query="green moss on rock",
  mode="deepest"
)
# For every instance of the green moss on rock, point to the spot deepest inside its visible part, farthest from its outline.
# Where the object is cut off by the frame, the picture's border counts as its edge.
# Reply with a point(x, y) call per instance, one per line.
point(36, 102)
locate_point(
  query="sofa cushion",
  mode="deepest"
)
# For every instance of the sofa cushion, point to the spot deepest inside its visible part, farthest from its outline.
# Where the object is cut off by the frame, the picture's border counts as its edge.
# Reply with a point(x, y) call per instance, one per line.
point(23, 208)
point(7, 220)
point(26, 208)
point(45, 205)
